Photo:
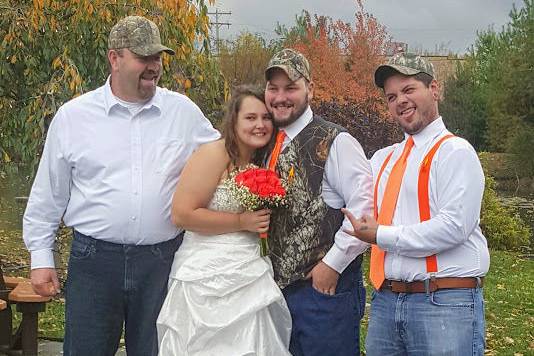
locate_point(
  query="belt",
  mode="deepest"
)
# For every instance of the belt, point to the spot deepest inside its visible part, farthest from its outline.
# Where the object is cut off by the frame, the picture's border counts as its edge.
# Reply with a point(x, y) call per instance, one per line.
point(432, 284)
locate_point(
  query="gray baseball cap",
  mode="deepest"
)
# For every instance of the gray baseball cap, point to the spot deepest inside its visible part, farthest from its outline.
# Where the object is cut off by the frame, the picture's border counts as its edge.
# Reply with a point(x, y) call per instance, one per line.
point(139, 35)
point(293, 63)
point(404, 63)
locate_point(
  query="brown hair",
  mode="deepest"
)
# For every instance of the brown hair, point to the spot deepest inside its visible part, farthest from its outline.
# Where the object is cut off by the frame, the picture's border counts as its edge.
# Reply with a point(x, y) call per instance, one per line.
point(230, 119)
point(424, 78)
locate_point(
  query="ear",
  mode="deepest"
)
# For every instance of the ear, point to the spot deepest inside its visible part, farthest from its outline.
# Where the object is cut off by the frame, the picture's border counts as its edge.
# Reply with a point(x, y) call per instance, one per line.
point(434, 88)
point(113, 58)
point(311, 86)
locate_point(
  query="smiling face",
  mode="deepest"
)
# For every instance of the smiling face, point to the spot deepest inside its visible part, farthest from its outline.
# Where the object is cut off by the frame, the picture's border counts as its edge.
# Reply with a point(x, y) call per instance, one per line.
point(410, 102)
point(134, 78)
point(253, 127)
point(287, 100)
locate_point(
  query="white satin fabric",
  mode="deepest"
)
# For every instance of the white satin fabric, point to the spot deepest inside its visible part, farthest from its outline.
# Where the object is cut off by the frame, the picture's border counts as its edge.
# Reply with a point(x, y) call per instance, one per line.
point(222, 298)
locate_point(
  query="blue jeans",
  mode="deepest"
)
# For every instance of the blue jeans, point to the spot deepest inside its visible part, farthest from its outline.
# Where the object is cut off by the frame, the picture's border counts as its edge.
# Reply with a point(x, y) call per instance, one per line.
point(445, 322)
point(109, 285)
point(323, 324)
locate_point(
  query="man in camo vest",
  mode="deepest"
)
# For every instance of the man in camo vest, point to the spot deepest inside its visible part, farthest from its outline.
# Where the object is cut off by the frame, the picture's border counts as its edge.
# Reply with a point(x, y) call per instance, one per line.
point(317, 265)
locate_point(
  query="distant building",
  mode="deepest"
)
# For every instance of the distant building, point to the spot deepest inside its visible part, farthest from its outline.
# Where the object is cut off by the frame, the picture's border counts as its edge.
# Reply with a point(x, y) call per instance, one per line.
point(396, 47)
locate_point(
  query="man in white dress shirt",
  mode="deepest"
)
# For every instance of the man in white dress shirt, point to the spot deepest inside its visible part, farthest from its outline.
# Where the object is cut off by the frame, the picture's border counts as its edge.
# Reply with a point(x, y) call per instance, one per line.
point(429, 255)
point(110, 165)
point(316, 263)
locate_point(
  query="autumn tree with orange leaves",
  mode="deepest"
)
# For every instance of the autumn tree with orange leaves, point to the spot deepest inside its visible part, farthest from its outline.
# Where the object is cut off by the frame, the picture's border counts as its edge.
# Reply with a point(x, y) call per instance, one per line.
point(343, 58)
point(53, 50)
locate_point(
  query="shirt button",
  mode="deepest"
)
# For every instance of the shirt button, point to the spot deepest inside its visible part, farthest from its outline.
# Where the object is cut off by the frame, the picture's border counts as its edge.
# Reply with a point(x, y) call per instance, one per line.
point(133, 218)
point(135, 193)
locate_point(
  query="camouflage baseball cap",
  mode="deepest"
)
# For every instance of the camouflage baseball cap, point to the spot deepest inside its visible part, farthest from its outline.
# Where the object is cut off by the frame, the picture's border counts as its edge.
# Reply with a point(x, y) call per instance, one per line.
point(139, 35)
point(293, 63)
point(404, 63)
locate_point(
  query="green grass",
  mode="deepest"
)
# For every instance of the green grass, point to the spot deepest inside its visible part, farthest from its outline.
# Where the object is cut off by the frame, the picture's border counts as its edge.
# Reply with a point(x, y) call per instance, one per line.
point(508, 292)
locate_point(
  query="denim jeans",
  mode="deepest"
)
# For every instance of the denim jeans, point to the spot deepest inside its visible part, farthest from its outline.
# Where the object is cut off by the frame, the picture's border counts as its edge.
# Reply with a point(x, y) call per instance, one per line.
point(445, 322)
point(109, 285)
point(327, 325)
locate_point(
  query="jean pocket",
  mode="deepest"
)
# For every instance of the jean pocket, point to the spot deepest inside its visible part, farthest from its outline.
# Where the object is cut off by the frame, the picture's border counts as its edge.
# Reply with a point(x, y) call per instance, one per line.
point(81, 250)
point(165, 255)
point(460, 298)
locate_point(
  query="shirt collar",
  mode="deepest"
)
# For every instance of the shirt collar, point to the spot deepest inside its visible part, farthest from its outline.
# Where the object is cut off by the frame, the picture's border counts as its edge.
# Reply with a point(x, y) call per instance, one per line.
point(293, 129)
point(110, 101)
point(427, 134)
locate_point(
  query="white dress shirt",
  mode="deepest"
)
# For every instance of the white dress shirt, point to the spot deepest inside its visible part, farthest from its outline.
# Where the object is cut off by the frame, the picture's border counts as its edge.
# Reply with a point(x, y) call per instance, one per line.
point(455, 193)
point(110, 169)
point(346, 183)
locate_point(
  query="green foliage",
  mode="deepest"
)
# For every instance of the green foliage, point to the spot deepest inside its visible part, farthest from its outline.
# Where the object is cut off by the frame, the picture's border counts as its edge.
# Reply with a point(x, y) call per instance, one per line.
point(464, 108)
point(521, 147)
point(490, 100)
point(503, 228)
point(53, 50)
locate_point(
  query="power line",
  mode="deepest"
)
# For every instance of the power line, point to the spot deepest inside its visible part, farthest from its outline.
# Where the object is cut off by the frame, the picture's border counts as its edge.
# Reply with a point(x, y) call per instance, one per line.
point(218, 25)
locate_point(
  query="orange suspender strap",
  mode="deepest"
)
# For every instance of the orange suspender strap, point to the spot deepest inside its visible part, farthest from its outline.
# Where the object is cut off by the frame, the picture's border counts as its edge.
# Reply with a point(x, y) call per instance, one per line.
point(423, 197)
point(375, 194)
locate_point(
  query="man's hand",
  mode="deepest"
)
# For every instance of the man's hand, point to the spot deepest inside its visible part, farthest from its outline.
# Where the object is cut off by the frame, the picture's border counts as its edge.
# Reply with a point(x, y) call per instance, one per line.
point(324, 278)
point(45, 282)
point(364, 228)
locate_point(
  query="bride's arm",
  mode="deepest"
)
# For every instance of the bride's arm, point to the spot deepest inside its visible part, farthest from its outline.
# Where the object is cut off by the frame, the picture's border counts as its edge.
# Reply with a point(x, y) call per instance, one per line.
point(196, 187)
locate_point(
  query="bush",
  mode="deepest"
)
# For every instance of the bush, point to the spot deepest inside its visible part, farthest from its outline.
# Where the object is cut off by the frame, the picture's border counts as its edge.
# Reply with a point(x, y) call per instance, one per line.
point(521, 147)
point(368, 128)
point(503, 228)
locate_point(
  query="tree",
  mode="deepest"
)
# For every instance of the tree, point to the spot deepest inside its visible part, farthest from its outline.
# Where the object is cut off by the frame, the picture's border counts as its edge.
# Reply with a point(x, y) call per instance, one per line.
point(53, 50)
point(490, 100)
point(465, 108)
point(343, 58)
point(244, 60)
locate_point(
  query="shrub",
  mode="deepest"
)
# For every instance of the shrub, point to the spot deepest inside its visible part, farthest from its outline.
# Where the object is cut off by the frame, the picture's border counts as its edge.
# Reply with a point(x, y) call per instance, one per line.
point(368, 128)
point(503, 227)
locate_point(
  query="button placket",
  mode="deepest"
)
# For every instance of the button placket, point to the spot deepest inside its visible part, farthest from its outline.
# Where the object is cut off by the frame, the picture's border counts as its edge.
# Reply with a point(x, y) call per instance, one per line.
point(137, 161)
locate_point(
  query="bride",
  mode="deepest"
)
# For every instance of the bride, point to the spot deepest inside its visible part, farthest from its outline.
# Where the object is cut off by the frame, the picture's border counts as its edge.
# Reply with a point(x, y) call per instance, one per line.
point(222, 299)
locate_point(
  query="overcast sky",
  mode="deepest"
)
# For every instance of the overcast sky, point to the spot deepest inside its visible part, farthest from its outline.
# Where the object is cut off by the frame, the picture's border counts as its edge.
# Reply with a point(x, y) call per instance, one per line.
point(423, 24)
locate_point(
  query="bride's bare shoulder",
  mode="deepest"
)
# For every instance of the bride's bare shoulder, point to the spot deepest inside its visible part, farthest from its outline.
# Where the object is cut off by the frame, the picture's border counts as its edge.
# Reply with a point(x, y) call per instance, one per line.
point(212, 152)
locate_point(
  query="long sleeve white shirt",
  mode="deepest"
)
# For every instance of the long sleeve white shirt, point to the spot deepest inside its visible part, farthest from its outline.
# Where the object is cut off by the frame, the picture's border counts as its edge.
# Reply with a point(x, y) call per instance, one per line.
point(346, 183)
point(110, 172)
point(455, 192)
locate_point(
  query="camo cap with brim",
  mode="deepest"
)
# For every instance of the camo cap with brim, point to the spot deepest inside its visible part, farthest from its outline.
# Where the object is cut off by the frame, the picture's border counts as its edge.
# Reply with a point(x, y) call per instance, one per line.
point(139, 35)
point(293, 63)
point(404, 63)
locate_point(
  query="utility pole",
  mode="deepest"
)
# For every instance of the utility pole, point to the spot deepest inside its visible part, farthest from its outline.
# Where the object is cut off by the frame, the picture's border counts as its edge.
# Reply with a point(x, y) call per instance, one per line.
point(218, 25)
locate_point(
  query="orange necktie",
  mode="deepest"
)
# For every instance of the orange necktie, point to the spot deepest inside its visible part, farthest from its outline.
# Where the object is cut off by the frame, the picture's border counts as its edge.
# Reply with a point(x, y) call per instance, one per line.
point(387, 210)
point(280, 137)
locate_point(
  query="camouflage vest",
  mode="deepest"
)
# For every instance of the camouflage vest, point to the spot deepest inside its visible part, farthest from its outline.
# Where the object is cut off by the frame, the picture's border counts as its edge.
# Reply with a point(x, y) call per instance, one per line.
point(301, 234)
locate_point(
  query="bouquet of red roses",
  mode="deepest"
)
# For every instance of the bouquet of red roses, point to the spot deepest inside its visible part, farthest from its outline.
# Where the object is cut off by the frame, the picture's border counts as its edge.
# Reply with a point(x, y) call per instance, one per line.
point(259, 188)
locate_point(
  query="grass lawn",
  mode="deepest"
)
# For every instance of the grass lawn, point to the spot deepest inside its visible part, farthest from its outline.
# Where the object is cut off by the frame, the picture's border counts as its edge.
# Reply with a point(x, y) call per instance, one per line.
point(508, 292)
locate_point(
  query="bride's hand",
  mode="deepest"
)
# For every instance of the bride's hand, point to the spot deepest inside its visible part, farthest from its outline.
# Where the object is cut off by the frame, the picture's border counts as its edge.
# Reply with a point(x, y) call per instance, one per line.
point(255, 221)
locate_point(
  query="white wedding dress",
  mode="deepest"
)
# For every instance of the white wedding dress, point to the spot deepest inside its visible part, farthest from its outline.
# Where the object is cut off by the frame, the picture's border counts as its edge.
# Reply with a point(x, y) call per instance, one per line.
point(222, 299)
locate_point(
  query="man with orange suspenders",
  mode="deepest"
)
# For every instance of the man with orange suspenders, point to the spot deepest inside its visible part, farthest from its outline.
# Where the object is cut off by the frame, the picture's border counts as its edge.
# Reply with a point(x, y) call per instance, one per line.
point(429, 256)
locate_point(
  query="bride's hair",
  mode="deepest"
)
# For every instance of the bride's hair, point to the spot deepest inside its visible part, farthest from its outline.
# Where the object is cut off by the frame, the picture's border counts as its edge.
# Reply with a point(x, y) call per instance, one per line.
point(230, 118)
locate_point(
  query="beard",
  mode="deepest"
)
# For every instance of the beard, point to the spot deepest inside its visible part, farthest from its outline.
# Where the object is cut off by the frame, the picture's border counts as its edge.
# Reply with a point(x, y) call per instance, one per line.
point(297, 113)
point(147, 91)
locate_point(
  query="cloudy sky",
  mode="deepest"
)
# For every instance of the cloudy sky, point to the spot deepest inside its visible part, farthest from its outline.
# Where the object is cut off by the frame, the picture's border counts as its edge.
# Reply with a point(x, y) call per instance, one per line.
point(426, 24)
